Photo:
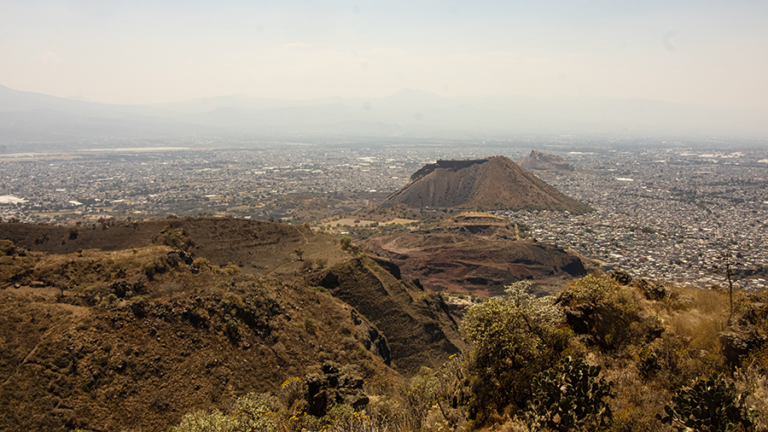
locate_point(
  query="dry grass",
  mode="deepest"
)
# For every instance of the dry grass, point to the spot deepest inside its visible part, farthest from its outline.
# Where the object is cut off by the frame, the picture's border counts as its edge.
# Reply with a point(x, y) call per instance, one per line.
point(513, 425)
point(752, 380)
point(703, 321)
point(709, 302)
point(637, 399)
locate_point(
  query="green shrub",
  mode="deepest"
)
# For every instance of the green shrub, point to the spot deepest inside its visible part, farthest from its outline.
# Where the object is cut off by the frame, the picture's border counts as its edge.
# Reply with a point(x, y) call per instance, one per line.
point(612, 315)
point(515, 337)
point(7, 247)
point(345, 242)
point(232, 269)
point(570, 397)
point(252, 412)
point(310, 326)
point(711, 405)
point(139, 306)
point(202, 264)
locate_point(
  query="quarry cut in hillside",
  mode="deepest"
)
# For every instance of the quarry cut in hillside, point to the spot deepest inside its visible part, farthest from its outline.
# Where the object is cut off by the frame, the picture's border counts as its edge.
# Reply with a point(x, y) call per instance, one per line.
point(538, 161)
point(494, 183)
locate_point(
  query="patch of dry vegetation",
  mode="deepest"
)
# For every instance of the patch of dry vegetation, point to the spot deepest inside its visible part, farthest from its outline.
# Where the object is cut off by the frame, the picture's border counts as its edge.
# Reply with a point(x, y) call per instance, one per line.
point(136, 338)
point(647, 351)
point(211, 346)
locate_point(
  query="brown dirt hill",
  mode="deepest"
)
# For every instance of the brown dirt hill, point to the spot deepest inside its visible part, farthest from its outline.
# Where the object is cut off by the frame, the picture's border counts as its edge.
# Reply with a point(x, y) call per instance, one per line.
point(538, 161)
point(486, 184)
point(191, 310)
point(417, 322)
point(191, 337)
point(474, 252)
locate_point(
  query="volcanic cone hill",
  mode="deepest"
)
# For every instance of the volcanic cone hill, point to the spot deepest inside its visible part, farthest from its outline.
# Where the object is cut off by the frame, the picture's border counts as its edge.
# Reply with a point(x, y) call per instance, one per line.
point(494, 183)
point(127, 325)
point(538, 161)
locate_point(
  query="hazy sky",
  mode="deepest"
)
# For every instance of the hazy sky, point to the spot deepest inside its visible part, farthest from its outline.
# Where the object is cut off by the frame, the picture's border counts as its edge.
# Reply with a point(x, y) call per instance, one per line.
point(698, 51)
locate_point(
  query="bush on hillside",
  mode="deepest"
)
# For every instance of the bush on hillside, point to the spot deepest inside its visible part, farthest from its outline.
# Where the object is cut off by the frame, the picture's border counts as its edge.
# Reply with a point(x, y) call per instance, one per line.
point(253, 412)
point(345, 242)
point(515, 337)
point(610, 314)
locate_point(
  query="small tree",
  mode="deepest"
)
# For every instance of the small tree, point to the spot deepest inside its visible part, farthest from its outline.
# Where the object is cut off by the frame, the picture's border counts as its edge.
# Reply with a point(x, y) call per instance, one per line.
point(345, 242)
point(299, 252)
point(515, 337)
point(728, 265)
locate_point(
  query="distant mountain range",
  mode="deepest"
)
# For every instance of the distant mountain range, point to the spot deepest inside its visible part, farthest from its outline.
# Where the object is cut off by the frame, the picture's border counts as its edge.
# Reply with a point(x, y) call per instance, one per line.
point(37, 118)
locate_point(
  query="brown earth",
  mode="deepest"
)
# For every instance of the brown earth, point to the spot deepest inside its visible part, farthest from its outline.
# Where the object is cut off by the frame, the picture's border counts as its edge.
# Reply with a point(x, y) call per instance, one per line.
point(477, 253)
point(538, 161)
point(131, 326)
point(485, 184)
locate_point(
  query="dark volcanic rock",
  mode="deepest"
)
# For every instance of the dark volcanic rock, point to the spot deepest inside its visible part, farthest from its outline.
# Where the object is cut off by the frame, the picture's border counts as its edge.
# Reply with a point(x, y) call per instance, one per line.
point(335, 386)
point(653, 290)
point(740, 341)
point(622, 277)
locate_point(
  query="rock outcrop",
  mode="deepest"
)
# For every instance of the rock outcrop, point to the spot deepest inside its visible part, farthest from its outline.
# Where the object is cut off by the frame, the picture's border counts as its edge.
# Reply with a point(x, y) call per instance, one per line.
point(538, 161)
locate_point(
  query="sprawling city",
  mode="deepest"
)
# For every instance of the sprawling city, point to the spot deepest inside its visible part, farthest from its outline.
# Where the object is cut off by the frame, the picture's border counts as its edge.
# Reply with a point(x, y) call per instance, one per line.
point(667, 212)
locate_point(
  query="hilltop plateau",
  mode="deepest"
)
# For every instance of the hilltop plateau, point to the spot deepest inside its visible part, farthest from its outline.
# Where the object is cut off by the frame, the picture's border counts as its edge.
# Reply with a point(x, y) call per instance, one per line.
point(493, 183)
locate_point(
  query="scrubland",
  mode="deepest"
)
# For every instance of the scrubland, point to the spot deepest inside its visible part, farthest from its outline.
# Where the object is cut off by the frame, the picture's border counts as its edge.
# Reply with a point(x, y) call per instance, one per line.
point(602, 355)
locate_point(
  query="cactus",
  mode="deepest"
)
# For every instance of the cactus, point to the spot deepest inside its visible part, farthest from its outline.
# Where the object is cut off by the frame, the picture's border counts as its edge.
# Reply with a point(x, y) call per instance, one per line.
point(711, 405)
point(570, 397)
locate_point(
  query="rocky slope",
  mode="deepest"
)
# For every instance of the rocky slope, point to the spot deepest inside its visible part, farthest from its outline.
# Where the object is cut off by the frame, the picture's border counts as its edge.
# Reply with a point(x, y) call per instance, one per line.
point(419, 328)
